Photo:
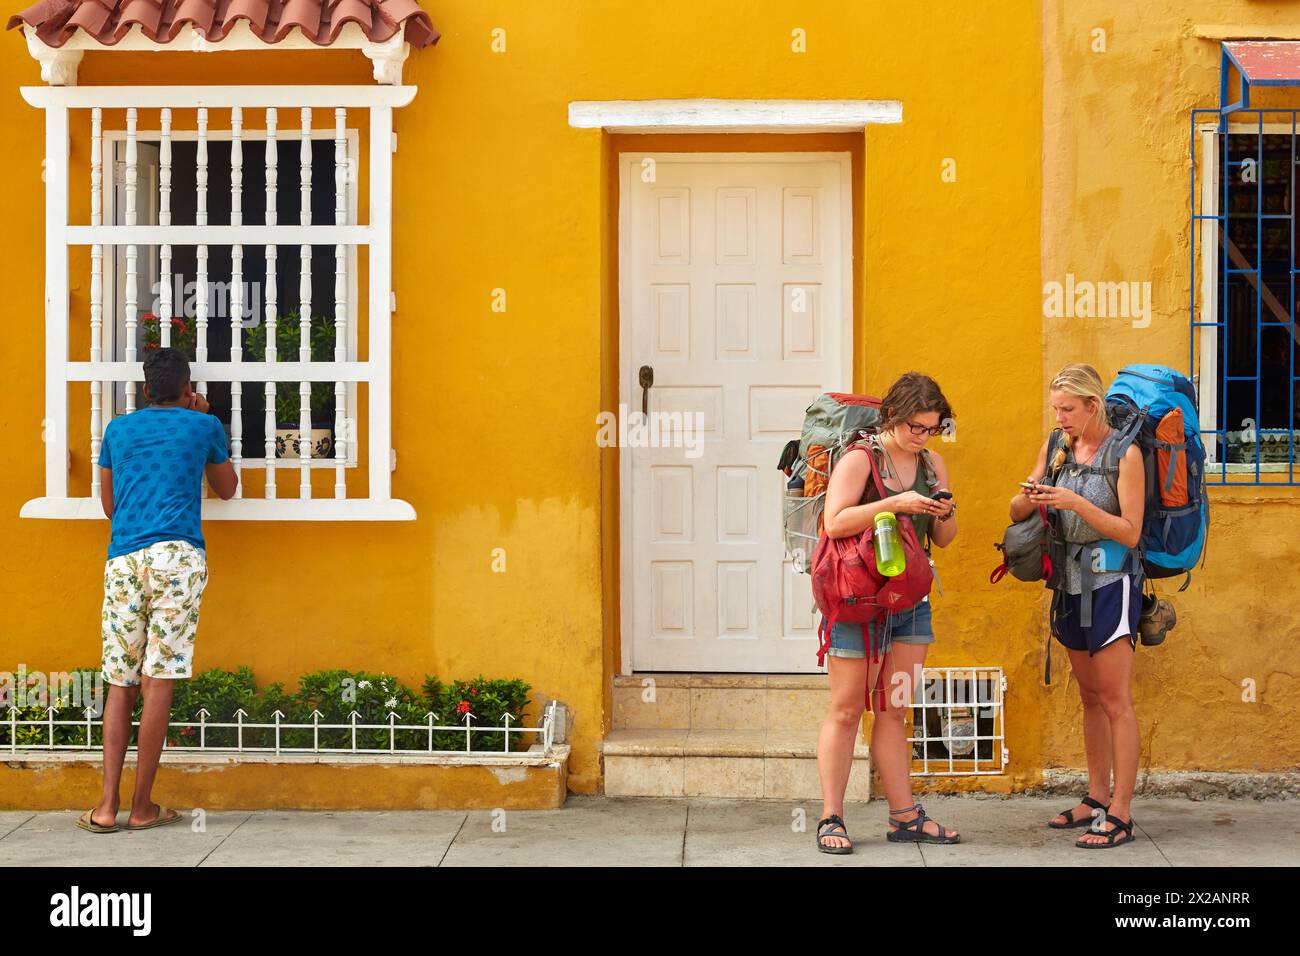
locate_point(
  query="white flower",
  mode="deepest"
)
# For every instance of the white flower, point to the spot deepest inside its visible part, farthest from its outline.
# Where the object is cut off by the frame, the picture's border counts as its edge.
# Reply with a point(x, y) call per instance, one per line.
point(390, 703)
point(364, 683)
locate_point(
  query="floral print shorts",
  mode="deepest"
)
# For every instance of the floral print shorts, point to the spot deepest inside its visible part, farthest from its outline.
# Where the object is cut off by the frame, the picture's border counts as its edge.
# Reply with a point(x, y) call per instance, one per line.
point(151, 611)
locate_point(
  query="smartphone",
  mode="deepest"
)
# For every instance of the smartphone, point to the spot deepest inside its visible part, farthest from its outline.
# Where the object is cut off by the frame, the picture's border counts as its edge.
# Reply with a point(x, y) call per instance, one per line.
point(1028, 486)
point(942, 495)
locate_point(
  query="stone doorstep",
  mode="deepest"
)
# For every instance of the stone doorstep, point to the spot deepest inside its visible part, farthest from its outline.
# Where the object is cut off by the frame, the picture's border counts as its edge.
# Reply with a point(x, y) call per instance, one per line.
point(781, 702)
point(779, 681)
point(722, 763)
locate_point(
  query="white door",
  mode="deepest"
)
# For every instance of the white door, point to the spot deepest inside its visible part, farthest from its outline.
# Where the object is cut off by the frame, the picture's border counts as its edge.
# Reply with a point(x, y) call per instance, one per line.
point(735, 290)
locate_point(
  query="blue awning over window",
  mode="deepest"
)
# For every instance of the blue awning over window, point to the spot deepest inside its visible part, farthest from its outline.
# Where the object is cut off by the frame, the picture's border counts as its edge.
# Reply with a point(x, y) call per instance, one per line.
point(1257, 63)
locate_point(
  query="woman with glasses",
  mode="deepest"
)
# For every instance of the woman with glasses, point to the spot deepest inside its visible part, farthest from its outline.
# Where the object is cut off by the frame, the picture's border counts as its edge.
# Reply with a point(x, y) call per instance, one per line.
point(912, 412)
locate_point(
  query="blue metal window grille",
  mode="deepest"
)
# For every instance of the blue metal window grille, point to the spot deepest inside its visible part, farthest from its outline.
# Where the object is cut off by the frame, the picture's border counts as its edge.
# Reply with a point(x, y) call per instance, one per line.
point(1245, 254)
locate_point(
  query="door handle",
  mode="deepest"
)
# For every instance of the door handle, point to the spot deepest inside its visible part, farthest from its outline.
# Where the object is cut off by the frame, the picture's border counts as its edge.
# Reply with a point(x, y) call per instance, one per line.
point(647, 378)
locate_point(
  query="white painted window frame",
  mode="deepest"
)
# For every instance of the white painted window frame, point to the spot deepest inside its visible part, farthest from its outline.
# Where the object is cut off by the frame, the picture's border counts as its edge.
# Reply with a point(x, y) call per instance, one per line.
point(376, 236)
point(117, 137)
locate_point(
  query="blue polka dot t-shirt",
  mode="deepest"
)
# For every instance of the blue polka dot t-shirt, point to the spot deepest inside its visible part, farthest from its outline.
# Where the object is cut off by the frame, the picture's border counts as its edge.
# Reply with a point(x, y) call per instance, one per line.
point(157, 455)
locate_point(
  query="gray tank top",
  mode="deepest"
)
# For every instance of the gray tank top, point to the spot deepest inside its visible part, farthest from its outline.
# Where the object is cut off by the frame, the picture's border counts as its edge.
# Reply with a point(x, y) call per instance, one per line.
point(1097, 489)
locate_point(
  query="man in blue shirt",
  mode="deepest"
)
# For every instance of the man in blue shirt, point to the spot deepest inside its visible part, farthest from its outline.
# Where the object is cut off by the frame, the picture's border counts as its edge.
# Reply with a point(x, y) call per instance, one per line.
point(152, 465)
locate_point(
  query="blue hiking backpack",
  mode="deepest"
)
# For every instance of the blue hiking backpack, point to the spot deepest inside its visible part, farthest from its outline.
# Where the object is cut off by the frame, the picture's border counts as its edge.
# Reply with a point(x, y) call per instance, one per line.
point(1155, 407)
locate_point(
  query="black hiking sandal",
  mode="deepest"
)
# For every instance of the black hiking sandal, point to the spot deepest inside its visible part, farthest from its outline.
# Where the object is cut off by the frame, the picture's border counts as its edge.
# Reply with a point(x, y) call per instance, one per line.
point(835, 824)
point(913, 831)
point(1113, 837)
point(1069, 815)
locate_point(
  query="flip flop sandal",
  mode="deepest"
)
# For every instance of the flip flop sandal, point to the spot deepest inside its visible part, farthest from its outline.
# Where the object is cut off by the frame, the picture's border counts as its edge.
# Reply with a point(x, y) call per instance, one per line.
point(1113, 837)
point(835, 824)
point(161, 821)
point(1069, 815)
point(86, 823)
point(913, 831)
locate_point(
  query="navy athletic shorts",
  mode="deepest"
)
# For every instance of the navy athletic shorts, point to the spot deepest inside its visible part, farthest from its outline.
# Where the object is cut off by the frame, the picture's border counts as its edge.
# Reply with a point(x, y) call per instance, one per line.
point(1115, 610)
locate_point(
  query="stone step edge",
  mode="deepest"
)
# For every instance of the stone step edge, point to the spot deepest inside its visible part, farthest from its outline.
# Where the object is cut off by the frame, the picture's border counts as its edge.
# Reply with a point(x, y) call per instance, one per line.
point(713, 743)
point(728, 681)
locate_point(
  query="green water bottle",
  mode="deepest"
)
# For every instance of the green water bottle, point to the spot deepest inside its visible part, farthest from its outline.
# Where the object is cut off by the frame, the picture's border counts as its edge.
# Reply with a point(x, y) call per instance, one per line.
point(890, 559)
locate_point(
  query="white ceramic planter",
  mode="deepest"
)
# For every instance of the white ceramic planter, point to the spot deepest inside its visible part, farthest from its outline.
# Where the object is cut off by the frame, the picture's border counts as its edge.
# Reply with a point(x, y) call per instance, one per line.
point(286, 443)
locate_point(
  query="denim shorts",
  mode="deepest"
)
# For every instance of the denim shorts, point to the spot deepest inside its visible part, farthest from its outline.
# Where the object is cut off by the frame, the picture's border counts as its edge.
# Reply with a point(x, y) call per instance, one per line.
point(906, 627)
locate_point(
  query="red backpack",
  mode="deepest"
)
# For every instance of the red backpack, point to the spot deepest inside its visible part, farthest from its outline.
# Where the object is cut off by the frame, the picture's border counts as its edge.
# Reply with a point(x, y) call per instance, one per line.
point(848, 588)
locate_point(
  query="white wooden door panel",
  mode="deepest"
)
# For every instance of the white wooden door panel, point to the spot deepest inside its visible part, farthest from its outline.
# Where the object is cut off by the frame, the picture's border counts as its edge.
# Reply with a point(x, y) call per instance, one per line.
point(735, 289)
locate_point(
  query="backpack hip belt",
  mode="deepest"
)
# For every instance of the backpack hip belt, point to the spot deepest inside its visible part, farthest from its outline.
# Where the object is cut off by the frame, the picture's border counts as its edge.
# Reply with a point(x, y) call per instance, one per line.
point(1082, 552)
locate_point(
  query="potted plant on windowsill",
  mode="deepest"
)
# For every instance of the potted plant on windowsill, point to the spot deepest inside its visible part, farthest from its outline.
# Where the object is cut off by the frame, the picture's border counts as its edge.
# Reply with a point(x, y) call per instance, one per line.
point(288, 400)
point(183, 339)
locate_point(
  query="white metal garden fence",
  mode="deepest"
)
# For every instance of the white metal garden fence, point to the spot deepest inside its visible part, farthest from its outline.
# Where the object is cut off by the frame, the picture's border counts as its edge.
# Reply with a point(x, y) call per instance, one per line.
point(544, 734)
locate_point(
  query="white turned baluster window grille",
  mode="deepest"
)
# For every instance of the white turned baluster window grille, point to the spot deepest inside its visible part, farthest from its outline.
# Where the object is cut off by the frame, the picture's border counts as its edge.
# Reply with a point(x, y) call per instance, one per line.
point(195, 204)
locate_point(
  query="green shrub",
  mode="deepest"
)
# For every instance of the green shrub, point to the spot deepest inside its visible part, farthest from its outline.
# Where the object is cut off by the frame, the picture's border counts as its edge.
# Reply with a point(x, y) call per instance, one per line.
point(218, 691)
point(60, 697)
point(335, 694)
point(489, 701)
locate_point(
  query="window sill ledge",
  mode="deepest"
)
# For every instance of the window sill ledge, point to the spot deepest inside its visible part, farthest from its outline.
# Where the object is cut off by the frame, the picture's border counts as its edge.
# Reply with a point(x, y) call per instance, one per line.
point(244, 509)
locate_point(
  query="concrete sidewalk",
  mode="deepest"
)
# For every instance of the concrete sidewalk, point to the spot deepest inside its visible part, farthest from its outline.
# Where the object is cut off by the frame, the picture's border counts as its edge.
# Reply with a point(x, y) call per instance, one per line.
point(615, 831)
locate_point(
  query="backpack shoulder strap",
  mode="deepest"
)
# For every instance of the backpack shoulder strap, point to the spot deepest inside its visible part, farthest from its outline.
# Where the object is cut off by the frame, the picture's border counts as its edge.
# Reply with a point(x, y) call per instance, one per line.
point(1108, 466)
point(1119, 448)
point(870, 446)
point(1054, 440)
point(931, 474)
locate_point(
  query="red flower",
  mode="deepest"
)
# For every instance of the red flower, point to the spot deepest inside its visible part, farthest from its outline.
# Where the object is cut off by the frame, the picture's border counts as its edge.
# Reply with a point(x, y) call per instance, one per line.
point(462, 708)
point(147, 316)
point(473, 690)
point(181, 325)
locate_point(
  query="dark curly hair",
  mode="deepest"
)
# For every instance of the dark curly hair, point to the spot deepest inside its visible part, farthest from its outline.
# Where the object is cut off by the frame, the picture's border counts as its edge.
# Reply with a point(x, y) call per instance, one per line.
point(913, 393)
point(165, 373)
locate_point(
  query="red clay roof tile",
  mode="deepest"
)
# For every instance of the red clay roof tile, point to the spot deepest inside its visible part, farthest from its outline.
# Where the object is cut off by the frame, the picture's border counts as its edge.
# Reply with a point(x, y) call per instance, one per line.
point(271, 20)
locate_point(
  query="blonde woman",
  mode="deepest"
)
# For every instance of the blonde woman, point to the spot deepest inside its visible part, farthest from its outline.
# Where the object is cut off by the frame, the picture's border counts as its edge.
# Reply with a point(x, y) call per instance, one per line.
point(1098, 497)
point(913, 411)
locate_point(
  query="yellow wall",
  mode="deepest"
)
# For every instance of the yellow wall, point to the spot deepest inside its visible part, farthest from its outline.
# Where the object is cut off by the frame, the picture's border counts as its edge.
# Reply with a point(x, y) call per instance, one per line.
point(496, 190)
point(1115, 207)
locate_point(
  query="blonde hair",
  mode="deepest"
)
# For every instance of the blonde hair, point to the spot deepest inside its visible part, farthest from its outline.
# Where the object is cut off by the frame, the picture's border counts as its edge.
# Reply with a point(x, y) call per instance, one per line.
point(1081, 381)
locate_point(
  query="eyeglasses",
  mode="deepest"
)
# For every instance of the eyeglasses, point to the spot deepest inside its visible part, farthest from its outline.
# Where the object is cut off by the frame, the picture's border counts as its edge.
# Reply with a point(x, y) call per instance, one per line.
point(924, 429)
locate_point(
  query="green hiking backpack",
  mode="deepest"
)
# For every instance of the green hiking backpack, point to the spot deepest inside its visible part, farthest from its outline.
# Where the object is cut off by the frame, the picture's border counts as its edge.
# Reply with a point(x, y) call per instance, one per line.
point(833, 422)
